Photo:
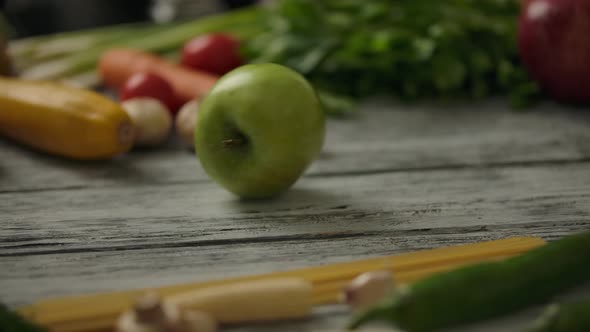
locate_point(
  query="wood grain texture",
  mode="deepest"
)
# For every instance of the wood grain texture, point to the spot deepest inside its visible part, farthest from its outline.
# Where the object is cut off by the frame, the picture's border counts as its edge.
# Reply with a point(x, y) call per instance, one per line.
point(383, 137)
point(192, 214)
point(27, 278)
point(71, 241)
point(393, 179)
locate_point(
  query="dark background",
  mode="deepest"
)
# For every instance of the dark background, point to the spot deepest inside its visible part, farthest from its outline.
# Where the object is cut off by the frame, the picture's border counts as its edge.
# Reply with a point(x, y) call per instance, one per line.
point(37, 17)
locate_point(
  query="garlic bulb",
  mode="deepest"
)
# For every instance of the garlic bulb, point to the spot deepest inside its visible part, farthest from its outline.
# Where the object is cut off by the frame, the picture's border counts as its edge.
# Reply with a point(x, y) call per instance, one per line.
point(368, 289)
point(185, 122)
point(151, 119)
point(151, 314)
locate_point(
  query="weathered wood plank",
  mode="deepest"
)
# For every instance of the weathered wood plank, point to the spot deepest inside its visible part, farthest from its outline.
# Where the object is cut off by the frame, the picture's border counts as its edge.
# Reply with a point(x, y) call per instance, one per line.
point(384, 136)
point(390, 181)
point(96, 219)
point(27, 278)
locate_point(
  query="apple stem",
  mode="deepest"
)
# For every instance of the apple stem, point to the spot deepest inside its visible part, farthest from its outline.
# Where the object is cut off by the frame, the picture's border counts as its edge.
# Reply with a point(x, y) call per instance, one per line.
point(233, 142)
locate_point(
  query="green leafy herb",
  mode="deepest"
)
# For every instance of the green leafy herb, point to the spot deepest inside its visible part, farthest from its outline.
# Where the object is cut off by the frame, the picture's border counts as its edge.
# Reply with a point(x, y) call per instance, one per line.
point(415, 49)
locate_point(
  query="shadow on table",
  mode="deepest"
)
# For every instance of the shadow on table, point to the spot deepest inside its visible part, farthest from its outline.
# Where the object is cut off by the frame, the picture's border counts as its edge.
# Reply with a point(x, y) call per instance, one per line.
point(308, 210)
point(294, 198)
point(126, 168)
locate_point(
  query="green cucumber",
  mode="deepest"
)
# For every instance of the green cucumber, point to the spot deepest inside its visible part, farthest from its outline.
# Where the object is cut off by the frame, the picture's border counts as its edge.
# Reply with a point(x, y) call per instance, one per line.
point(486, 290)
point(564, 317)
point(13, 322)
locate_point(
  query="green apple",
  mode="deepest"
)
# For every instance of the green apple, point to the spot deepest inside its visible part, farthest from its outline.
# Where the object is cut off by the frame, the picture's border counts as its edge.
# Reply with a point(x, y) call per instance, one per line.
point(258, 129)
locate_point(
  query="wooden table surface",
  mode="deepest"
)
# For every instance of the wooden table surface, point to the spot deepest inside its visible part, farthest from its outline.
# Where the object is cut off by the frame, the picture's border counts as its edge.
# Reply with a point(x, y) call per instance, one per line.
point(392, 179)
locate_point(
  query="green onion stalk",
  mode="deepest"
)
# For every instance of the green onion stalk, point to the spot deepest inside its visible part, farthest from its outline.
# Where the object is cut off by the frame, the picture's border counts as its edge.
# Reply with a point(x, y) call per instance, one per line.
point(158, 40)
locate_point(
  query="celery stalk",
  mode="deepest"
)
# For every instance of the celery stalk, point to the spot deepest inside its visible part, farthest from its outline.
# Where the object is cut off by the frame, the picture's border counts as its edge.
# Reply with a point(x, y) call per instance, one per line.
point(30, 45)
point(167, 40)
point(60, 47)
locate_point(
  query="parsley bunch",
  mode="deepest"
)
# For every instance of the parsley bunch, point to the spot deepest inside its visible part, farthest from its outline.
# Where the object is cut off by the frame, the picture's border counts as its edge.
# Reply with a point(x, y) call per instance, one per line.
point(413, 49)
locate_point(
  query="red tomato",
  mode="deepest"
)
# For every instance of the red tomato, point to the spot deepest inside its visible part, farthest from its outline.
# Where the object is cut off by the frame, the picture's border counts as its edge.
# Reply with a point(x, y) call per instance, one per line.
point(214, 53)
point(150, 85)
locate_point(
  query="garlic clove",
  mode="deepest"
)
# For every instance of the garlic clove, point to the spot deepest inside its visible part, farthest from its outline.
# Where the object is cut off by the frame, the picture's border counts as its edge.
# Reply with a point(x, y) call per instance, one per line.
point(367, 289)
point(185, 122)
point(128, 323)
point(150, 314)
point(151, 119)
point(197, 321)
point(149, 310)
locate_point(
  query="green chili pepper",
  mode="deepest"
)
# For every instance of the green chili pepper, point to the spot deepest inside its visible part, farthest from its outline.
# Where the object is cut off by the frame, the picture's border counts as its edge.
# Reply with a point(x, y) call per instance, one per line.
point(485, 290)
point(564, 317)
point(11, 321)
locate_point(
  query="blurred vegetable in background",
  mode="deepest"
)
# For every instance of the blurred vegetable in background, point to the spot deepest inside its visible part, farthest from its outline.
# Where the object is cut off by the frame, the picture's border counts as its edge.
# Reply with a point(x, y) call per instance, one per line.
point(153, 38)
point(415, 50)
point(215, 53)
point(11, 321)
point(570, 316)
point(555, 48)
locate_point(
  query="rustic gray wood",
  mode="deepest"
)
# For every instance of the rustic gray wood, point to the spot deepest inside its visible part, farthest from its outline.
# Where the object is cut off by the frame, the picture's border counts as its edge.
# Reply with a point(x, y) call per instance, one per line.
point(395, 178)
point(29, 277)
point(189, 214)
point(382, 137)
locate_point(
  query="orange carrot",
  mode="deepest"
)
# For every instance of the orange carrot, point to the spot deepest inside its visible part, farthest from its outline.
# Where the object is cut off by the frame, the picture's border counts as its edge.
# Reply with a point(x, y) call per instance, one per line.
point(117, 65)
